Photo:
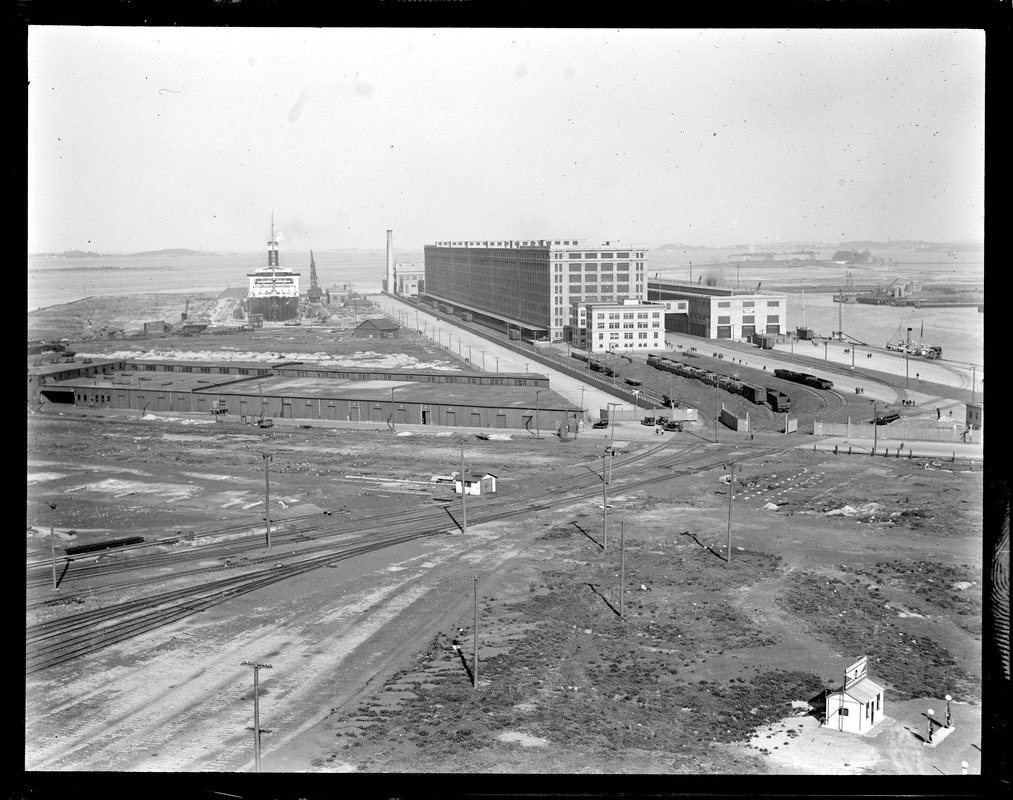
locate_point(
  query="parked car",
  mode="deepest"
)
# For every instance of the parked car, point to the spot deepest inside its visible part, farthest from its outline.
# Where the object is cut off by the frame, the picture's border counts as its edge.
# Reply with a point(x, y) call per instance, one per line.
point(602, 423)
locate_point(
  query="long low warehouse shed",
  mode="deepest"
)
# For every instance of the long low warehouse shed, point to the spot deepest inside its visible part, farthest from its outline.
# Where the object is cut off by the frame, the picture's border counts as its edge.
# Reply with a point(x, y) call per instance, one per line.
point(321, 398)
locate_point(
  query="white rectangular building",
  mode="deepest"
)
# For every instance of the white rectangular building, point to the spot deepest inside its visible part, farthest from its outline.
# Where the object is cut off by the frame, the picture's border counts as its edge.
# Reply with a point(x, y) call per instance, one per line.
point(859, 704)
point(624, 325)
point(714, 312)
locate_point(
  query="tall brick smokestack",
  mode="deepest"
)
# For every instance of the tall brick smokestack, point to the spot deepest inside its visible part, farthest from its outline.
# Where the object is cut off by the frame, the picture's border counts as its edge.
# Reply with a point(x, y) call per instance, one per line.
point(390, 262)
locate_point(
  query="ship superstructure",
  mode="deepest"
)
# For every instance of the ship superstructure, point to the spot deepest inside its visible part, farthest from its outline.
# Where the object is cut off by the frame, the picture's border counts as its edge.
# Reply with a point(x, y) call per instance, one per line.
point(274, 290)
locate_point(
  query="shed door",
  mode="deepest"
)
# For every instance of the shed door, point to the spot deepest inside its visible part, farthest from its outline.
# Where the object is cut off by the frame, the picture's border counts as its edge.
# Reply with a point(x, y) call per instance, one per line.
point(476, 420)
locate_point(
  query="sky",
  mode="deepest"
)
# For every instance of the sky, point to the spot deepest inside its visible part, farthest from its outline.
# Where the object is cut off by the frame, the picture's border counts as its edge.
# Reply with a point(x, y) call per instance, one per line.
point(143, 138)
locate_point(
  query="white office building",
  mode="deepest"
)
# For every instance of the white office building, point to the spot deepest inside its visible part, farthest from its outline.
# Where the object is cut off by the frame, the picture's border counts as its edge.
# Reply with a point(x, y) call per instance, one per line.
point(624, 325)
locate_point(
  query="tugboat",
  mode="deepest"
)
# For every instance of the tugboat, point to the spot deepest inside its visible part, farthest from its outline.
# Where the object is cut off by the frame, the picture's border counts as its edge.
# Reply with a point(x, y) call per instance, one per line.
point(901, 345)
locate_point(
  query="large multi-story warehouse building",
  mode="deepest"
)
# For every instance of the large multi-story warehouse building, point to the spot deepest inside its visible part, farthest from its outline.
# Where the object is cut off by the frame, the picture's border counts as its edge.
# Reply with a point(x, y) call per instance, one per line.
point(532, 284)
point(717, 313)
point(626, 325)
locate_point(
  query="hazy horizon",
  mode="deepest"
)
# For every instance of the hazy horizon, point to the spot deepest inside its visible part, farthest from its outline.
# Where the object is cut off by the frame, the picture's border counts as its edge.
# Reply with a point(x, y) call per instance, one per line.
point(148, 138)
point(419, 250)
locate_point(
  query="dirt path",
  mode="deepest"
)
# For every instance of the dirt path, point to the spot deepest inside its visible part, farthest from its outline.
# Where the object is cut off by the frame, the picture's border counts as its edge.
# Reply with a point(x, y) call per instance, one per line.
point(179, 700)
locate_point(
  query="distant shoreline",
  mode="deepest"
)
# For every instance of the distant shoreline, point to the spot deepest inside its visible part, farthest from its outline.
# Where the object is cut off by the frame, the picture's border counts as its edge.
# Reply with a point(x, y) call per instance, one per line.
point(98, 268)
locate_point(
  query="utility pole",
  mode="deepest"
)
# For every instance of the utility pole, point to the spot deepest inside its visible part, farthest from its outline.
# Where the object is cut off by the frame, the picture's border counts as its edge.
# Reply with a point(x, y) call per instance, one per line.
point(731, 492)
point(464, 494)
point(875, 427)
point(52, 539)
point(474, 672)
point(622, 568)
point(267, 495)
point(604, 500)
point(256, 709)
point(483, 361)
point(973, 383)
point(717, 413)
point(581, 416)
point(907, 368)
point(612, 435)
point(538, 431)
point(497, 363)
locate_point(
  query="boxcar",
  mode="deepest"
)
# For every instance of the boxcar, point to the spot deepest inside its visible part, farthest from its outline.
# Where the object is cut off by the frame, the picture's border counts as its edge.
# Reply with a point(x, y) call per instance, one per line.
point(754, 394)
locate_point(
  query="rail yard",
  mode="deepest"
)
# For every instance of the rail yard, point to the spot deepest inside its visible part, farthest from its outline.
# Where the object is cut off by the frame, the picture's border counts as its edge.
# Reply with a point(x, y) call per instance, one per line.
point(616, 630)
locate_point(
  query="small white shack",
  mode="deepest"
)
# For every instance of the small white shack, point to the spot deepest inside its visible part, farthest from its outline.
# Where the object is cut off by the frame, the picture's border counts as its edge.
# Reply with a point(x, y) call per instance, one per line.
point(476, 483)
point(859, 704)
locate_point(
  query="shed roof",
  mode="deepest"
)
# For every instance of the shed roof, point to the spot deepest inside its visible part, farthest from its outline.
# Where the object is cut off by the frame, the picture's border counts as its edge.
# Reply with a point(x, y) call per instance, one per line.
point(864, 691)
point(58, 364)
point(154, 381)
point(380, 324)
point(381, 391)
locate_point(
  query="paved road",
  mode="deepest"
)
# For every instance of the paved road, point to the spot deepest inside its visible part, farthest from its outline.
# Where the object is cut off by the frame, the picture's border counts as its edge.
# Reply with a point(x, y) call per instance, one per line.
point(490, 357)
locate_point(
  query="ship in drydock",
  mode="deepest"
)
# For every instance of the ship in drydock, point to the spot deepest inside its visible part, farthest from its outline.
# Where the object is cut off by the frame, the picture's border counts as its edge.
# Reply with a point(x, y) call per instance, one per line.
point(273, 294)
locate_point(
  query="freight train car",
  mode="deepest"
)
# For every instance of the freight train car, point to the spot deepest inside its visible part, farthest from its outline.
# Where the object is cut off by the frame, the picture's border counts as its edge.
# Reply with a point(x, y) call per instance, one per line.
point(818, 383)
point(96, 547)
point(778, 401)
point(754, 394)
point(803, 378)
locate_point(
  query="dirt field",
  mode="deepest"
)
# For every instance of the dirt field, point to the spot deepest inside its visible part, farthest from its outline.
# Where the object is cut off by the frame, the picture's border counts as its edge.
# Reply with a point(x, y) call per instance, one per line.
point(713, 667)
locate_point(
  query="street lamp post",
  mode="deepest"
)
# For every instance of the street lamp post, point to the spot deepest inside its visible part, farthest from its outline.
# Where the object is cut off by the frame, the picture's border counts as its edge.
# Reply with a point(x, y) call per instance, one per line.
point(949, 718)
point(52, 539)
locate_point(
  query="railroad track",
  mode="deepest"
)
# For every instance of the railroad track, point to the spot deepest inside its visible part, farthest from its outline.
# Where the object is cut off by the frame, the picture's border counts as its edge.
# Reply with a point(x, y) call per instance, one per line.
point(61, 640)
